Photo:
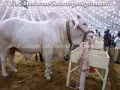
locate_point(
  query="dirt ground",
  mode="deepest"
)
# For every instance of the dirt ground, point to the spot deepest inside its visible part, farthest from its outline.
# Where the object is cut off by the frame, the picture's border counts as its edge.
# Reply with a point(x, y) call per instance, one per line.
point(30, 76)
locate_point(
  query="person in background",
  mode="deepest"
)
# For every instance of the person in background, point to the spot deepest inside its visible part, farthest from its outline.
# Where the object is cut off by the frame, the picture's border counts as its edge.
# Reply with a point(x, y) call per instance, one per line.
point(107, 40)
point(95, 36)
point(96, 31)
point(112, 41)
point(99, 34)
point(117, 48)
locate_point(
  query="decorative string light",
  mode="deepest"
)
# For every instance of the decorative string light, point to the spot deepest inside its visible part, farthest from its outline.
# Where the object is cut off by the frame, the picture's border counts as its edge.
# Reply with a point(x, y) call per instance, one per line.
point(13, 11)
point(31, 16)
point(2, 3)
point(37, 13)
point(99, 16)
point(7, 8)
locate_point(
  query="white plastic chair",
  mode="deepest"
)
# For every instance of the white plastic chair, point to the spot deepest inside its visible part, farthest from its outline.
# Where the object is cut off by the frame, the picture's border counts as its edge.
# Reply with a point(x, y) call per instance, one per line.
point(98, 59)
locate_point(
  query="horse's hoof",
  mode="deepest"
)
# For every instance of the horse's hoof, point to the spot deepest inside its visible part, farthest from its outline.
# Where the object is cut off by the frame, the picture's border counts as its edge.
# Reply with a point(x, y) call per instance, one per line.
point(5, 75)
point(14, 70)
point(48, 78)
point(66, 58)
point(51, 73)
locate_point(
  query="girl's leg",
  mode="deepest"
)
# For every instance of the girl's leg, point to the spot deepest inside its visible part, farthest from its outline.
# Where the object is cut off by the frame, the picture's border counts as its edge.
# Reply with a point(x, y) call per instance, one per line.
point(83, 75)
point(82, 81)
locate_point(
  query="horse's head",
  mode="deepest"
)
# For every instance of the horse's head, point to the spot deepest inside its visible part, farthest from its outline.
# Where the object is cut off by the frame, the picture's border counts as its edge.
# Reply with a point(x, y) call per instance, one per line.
point(81, 24)
point(79, 27)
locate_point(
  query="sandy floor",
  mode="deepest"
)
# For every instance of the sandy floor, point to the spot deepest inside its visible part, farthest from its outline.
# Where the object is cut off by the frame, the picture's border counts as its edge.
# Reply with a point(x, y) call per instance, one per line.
point(30, 76)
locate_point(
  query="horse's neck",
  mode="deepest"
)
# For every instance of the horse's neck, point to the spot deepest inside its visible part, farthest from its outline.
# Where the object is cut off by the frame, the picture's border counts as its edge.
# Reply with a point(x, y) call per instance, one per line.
point(63, 31)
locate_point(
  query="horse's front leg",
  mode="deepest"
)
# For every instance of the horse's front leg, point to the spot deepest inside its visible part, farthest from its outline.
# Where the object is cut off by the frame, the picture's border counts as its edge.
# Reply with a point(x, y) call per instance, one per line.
point(48, 53)
point(3, 59)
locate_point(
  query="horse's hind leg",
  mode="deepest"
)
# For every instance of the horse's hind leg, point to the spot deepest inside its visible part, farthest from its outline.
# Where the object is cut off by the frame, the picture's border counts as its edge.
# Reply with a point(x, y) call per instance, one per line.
point(41, 57)
point(11, 57)
point(36, 57)
point(4, 53)
point(48, 53)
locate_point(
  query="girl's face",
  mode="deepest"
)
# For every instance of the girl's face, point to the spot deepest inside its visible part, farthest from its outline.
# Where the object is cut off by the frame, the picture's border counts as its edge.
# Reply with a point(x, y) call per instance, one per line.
point(89, 36)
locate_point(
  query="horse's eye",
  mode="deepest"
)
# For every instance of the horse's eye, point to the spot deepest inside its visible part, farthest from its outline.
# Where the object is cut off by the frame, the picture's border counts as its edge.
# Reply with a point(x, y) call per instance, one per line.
point(85, 24)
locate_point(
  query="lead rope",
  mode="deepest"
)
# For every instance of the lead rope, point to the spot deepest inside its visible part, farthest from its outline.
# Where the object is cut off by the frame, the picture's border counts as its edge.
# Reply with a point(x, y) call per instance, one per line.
point(69, 40)
point(80, 69)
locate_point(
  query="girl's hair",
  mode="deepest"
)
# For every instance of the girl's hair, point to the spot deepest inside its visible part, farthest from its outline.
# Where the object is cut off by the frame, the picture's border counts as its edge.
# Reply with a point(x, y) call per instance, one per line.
point(85, 35)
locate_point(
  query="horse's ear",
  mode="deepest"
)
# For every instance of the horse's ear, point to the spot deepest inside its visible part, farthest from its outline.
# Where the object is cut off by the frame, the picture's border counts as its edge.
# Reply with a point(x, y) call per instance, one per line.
point(77, 21)
point(78, 16)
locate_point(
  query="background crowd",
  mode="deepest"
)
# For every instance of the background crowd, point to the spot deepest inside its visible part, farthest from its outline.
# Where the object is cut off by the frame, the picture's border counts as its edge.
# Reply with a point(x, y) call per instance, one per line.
point(111, 41)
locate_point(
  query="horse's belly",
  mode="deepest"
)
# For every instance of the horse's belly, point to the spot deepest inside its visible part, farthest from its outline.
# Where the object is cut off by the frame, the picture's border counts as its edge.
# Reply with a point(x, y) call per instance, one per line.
point(38, 50)
point(60, 52)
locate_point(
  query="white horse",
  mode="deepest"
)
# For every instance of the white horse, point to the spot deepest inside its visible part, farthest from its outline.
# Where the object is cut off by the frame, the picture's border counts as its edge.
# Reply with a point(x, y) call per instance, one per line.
point(48, 37)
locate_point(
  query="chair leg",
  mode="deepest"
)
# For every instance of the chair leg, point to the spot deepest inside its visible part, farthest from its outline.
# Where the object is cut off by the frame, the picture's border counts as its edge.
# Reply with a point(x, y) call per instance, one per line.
point(105, 79)
point(68, 75)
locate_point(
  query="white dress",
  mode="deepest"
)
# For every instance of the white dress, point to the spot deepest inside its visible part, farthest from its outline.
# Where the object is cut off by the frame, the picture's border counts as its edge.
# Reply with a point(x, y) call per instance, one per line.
point(85, 48)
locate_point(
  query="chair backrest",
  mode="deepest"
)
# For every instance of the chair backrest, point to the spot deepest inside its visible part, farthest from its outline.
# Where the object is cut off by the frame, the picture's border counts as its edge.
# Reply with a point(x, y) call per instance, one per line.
point(98, 45)
point(97, 58)
point(75, 55)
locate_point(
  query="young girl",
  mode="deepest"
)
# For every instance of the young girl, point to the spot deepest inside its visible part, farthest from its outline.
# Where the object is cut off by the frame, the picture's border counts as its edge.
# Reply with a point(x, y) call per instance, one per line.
point(85, 47)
